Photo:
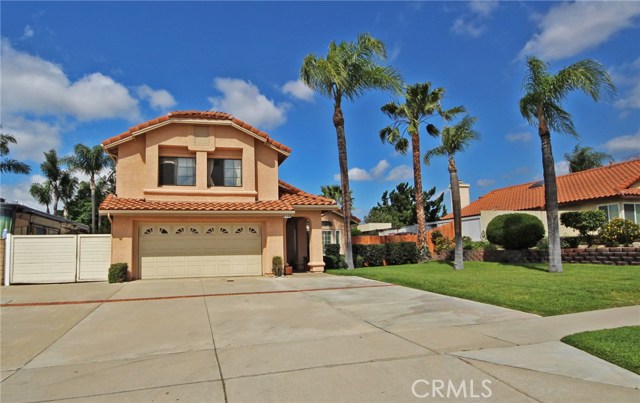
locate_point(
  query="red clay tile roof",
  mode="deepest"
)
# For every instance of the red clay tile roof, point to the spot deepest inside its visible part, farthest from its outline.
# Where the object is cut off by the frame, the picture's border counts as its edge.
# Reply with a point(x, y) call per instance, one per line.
point(298, 197)
point(290, 196)
point(197, 115)
point(609, 181)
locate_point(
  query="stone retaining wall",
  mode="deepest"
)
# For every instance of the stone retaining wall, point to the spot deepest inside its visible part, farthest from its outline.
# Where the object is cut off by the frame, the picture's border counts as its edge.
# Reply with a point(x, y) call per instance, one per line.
point(613, 256)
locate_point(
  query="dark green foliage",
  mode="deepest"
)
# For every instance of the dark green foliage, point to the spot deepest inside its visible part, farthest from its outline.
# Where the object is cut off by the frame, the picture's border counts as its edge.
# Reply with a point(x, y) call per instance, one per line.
point(584, 222)
point(332, 249)
point(399, 207)
point(358, 261)
point(334, 262)
point(355, 231)
point(571, 241)
point(118, 272)
point(401, 253)
point(372, 255)
point(583, 158)
point(515, 231)
point(277, 267)
point(440, 242)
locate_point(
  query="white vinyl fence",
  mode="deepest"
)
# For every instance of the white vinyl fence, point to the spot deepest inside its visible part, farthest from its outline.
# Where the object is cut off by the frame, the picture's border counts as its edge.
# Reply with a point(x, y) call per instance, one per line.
point(34, 259)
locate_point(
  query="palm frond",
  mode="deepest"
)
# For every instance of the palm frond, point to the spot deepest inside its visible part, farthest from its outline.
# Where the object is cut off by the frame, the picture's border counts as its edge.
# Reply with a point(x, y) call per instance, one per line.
point(588, 76)
point(434, 152)
point(402, 145)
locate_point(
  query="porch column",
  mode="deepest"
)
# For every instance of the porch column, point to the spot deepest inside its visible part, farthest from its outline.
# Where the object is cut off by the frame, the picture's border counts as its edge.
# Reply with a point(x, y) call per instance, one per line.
point(316, 263)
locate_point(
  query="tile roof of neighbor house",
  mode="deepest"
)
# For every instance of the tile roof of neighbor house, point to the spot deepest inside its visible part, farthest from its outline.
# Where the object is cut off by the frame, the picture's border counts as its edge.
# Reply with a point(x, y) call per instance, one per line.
point(613, 180)
point(195, 115)
point(290, 196)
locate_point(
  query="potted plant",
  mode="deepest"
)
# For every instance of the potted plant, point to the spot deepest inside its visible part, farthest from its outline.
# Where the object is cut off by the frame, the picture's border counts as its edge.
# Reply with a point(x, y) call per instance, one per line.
point(276, 266)
point(288, 269)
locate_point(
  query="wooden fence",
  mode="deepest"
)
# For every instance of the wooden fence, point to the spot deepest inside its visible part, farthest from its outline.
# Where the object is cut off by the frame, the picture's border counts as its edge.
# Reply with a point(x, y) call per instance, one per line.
point(446, 230)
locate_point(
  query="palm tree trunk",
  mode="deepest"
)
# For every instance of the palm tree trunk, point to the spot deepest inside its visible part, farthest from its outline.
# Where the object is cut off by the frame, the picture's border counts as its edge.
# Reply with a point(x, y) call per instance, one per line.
point(550, 199)
point(417, 185)
point(92, 186)
point(457, 214)
point(338, 123)
point(55, 204)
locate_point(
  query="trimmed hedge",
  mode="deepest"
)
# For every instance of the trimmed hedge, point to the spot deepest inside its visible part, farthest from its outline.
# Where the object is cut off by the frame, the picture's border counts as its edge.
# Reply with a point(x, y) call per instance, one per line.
point(118, 272)
point(332, 249)
point(515, 231)
point(372, 255)
point(401, 253)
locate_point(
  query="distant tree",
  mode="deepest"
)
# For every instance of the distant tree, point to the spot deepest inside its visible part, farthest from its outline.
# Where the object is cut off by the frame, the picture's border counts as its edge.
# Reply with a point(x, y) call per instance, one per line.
point(335, 192)
point(9, 165)
point(421, 104)
point(90, 161)
point(583, 158)
point(399, 206)
point(348, 71)
point(541, 105)
point(41, 192)
point(52, 170)
point(68, 186)
point(455, 139)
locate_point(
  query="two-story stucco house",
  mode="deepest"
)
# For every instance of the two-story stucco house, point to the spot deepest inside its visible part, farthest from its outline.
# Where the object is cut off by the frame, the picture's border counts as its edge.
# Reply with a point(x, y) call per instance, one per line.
point(198, 195)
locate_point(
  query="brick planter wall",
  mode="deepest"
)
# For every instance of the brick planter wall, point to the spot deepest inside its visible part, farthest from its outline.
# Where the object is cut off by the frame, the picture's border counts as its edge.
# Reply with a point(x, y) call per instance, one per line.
point(613, 256)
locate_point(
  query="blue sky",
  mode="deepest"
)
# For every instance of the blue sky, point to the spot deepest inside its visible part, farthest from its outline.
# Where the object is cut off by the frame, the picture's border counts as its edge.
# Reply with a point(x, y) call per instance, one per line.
point(84, 71)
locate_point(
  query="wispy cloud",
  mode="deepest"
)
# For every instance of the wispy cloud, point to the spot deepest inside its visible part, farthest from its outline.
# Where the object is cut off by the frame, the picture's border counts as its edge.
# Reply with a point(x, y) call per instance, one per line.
point(243, 99)
point(562, 167)
point(627, 79)
point(627, 144)
point(571, 28)
point(158, 99)
point(400, 173)
point(298, 89)
point(361, 174)
point(28, 32)
point(485, 182)
point(523, 137)
point(473, 23)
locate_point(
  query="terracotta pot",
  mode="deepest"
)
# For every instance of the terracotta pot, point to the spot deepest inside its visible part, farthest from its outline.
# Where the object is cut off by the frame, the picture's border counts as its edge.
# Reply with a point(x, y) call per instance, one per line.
point(288, 270)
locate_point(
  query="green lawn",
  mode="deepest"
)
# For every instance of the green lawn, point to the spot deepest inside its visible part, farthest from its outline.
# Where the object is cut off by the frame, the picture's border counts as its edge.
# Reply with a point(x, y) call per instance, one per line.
point(620, 346)
point(528, 288)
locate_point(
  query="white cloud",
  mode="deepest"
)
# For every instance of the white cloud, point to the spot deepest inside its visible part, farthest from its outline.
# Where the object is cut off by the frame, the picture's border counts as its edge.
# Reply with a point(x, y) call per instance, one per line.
point(473, 23)
point(485, 182)
point(380, 169)
point(562, 167)
point(627, 79)
point(356, 174)
point(36, 86)
point(33, 137)
point(28, 32)
point(158, 99)
point(244, 100)
point(516, 137)
point(400, 173)
point(624, 144)
point(570, 28)
point(19, 192)
point(298, 89)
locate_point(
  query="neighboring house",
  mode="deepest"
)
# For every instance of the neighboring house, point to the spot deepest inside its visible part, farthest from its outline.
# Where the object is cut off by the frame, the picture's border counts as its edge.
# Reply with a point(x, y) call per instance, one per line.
point(333, 228)
point(199, 195)
point(18, 219)
point(614, 189)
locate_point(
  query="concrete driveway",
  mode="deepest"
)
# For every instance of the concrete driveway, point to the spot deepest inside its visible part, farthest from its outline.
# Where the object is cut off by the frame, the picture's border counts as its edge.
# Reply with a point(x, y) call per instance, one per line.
point(303, 338)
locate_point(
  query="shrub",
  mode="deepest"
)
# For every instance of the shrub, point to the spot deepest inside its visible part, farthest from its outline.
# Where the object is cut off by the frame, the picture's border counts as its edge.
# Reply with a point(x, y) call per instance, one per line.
point(276, 266)
point(515, 231)
point(355, 231)
point(584, 222)
point(358, 261)
point(401, 253)
point(440, 242)
point(372, 255)
point(330, 262)
point(543, 244)
point(118, 272)
point(620, 232)
point(342, 262)
point(332, 249)
point(571, 241)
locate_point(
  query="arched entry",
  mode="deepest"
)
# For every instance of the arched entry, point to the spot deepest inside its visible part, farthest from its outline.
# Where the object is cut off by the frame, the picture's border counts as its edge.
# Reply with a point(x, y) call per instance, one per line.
point(297, 243)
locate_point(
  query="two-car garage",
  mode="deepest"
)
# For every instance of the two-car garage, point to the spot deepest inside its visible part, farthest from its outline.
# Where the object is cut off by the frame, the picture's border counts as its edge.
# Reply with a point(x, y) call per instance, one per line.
point(175, 250)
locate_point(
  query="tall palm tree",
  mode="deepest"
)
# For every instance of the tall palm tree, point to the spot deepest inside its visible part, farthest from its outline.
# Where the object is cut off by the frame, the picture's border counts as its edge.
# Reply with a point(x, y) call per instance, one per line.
point(455, 139)
point(348, 70)
point(421, 104)
point(90, 161)
point(583, 158)
point(42, 193)
point(68, 186)
point(335, 192)
point(9, 165)
point(541, 106)
point(52, 170)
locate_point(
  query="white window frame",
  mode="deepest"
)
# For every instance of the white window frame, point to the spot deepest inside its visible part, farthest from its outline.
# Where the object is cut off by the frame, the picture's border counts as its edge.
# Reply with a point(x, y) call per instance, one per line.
point(607, 211)
point(324, 231)
point(636, 211)
point(338, 235)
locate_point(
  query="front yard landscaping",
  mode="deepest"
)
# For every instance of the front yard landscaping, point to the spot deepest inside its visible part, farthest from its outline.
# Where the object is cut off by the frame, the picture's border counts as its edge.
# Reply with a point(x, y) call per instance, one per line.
point(528, 288)
point(619, 346)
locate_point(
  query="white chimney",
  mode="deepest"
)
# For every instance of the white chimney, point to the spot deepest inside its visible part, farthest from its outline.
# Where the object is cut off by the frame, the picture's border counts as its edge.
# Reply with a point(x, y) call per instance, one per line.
point(465, 195)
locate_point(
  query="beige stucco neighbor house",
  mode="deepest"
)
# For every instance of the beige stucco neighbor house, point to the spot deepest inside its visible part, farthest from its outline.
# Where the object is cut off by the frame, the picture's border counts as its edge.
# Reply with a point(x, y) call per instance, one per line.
point(333, 228)
point(198, 195)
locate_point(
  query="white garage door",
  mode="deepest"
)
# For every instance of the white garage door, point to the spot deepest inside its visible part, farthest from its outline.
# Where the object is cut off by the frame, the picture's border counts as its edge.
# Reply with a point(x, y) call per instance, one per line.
point(200, 250)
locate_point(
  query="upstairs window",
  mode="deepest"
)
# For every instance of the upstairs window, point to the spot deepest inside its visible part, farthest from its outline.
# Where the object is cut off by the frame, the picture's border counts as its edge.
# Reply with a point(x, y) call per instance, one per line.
point(224, 172)
point(177, 171)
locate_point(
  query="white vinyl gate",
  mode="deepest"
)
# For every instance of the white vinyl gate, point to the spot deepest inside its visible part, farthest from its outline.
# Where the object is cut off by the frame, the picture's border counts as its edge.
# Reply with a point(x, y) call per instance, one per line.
point(36, 259)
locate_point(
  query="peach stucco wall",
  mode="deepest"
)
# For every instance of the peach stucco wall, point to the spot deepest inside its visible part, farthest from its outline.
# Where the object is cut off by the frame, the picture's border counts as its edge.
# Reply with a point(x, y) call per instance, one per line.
point(337, 223)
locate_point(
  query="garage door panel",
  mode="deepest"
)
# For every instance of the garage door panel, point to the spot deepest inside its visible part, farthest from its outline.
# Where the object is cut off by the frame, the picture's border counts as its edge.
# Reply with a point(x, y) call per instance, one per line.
point(203, 250)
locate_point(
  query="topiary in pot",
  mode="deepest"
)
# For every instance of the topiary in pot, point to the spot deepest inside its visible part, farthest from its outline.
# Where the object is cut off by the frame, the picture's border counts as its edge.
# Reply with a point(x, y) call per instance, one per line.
point(276, 266)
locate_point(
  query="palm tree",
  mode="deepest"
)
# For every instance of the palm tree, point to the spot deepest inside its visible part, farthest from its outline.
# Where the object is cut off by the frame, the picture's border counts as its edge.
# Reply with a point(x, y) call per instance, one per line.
point(68, 186)
point(348, 70)
point(9, 165)
point(90, 161)
point(541, 106)
point(335, 192)
point(583, 158)
point(421, 104)
point(42, 193)
point(52, 170)
point(455, 140)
